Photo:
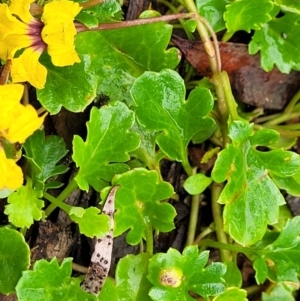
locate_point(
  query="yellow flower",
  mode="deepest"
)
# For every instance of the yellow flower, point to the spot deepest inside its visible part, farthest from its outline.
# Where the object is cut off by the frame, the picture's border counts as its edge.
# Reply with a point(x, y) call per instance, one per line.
point(17, 122)
point(11, 176)
point(55, 32)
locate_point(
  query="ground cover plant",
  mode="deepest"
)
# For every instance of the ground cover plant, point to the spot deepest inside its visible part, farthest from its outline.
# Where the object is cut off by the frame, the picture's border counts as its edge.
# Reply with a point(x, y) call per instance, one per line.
point(111, 138)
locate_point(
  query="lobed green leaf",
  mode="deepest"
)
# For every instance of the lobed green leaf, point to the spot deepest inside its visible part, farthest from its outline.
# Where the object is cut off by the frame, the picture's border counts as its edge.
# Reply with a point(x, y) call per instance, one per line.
point(43, 155)
point(232, 293)
point(174, 275)
point(24, 206)
point(107, 145)
point(278, 43)
point(90, 222)
point(138, 204)
point(247, 15)
point(49, 281)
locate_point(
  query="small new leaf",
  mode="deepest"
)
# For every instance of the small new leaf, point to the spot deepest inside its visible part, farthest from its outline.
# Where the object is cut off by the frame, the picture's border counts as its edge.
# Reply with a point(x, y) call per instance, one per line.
point(278, 43)
point(14, 258)
point(24, 206)
point(43, 155)
point(139, 206)
point(174, 275)
point(107, 145)
point(91, 223)
point(49, 281)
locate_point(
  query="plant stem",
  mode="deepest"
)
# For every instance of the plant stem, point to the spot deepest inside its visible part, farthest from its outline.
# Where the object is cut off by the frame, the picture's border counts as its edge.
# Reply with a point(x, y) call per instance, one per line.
point(292, 103)
point(5, 73)
point(216, 190)
point(125, 24)
point(175, 11)
point(196, 199)
point(59, 200)
point(149, 240)
point(282, 118)
point(234, 248)
point(58, 203)
point(204, 233)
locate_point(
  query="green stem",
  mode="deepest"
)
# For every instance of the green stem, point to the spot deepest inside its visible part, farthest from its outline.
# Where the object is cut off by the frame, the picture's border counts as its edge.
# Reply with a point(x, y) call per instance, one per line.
point(229, 247)
point(202, 26)
point(216, 190)
point(174, 10)
point(204, 233)
point(149, 240)
point(195, 205)
point(289, 108)
point(59, 200)
point(65, 207)
point(282, 118)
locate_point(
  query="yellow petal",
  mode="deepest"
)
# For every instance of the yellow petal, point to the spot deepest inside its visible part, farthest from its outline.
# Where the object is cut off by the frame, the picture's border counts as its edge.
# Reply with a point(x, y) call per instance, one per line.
point(24, 122)
point(11, 176)
point(59, 31)
point(28, 68)
point(62, 11)
point(10, 96)
point(13, 33)
point(21, 9)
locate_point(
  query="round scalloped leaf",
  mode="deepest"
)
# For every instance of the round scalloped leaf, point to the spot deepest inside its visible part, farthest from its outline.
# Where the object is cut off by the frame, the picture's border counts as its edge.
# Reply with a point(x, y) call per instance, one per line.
point(161, 107)
point(51, 282)
point(139, 204)
point(14, 258)
point(174, 275)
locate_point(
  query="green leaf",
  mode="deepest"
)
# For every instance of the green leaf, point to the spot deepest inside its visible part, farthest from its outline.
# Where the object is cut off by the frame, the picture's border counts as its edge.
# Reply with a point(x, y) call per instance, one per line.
point(261, 270)
point(90, 222)
point(278, 43)
point(43, 154)
point(212, 11)
point(289, 5)
point(160, 107)
point(106, 148)
point(247, 15)
point(264, 137)
point(174, 275)
point(232, 293)
point(278, 293)
point(108, 292)
point(280, 252)
point(197, 183)
point(14, 258)
point(101, 13)
point(138, 204)
point(131, 280)
point(51, 282)
point(109, 65)
point(290, 184)
point(250, 196)
point(24, 206)
point(146, 152)
point(233, 276)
